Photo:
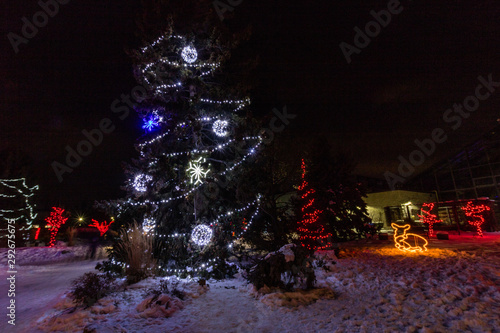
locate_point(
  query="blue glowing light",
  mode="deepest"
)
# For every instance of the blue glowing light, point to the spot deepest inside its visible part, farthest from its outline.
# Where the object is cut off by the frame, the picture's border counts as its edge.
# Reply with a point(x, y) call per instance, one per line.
point(152, 122)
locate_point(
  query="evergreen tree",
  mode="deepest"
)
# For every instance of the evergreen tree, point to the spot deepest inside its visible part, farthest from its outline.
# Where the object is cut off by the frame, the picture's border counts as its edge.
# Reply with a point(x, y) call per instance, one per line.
point(338, 193)
point(184, 187)
point(273, 176)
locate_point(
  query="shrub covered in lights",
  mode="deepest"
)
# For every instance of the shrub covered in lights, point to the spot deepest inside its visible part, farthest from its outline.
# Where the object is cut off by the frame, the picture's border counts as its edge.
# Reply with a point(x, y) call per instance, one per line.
point(199, 139)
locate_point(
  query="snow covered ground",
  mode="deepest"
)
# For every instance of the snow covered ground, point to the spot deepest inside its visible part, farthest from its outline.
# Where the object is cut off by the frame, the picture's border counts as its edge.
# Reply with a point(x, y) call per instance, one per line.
point(454, 287)
point(38, 289)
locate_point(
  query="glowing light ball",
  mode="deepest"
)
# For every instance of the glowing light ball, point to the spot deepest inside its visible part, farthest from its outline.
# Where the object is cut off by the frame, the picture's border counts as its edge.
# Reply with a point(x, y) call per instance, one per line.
point(140, 182)
point(201, 235)
point(189, 54)
point(220, 128)
point(148, 225)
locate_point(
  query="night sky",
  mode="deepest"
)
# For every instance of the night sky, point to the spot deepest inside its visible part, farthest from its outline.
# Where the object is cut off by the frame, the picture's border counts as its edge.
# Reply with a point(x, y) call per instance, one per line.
point(394, 91)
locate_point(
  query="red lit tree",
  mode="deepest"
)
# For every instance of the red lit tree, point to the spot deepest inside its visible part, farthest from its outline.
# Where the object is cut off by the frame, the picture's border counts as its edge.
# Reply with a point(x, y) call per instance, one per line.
point(313, 235)
point(428, 217)
point(476, 215)
point(101, 226)
point(55, 220)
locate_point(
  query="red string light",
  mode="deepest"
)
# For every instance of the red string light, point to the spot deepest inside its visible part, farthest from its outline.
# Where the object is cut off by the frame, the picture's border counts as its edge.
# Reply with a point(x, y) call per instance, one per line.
point(311, 231)
point(55, 220)
point(37, 233)
point(101, 226)
point(428, 217)
point(475, 213)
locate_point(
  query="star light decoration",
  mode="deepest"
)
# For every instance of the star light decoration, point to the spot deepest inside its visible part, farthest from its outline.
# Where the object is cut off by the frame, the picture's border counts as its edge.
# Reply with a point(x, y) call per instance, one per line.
point(140, 182)
point(220, 128)
point(201, 235)
point(196, 171)
point(189, 54)
point(152, 122)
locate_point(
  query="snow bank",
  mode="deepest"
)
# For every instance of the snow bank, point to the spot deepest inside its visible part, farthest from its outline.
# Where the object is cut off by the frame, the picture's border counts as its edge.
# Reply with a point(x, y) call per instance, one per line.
point(45, 255)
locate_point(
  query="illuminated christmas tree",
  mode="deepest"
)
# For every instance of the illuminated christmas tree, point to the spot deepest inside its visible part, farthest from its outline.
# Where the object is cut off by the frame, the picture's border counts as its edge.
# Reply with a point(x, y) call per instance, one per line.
point(312, 233)
point(197, 142)
point(54, 221)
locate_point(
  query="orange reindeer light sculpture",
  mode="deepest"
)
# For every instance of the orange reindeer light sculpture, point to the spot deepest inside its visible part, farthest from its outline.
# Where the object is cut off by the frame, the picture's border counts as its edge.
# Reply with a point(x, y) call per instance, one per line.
point(408, 242)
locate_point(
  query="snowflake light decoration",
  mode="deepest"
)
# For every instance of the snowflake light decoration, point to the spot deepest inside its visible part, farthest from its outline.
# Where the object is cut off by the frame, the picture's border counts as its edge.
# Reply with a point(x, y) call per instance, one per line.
point(189, 54)
point(152, 122)
point(148, 224)
point(220, 128)
point(201, 235)
point(196, 171)
point(140, 182)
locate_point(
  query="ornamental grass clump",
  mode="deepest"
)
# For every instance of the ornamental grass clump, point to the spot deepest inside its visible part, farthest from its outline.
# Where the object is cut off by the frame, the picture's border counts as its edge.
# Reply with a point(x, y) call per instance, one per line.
point(136, 248)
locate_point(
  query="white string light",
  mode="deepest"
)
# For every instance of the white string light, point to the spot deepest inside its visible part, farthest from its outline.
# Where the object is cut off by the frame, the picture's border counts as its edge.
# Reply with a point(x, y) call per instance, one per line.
point(241, 103)
point(154, 140)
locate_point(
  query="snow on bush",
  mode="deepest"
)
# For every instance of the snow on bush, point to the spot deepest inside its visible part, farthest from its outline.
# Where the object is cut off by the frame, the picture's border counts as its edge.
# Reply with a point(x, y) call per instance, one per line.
point(127, 307)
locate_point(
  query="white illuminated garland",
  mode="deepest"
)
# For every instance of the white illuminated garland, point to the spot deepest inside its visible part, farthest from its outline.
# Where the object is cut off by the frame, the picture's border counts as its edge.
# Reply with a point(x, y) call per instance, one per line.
point(27, 212)
point(240, 103)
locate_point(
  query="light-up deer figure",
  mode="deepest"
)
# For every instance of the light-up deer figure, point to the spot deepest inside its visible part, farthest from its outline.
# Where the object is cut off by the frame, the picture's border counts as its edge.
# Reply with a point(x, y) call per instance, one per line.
point(475, 212)
point(428, 217)
point(408, 242)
